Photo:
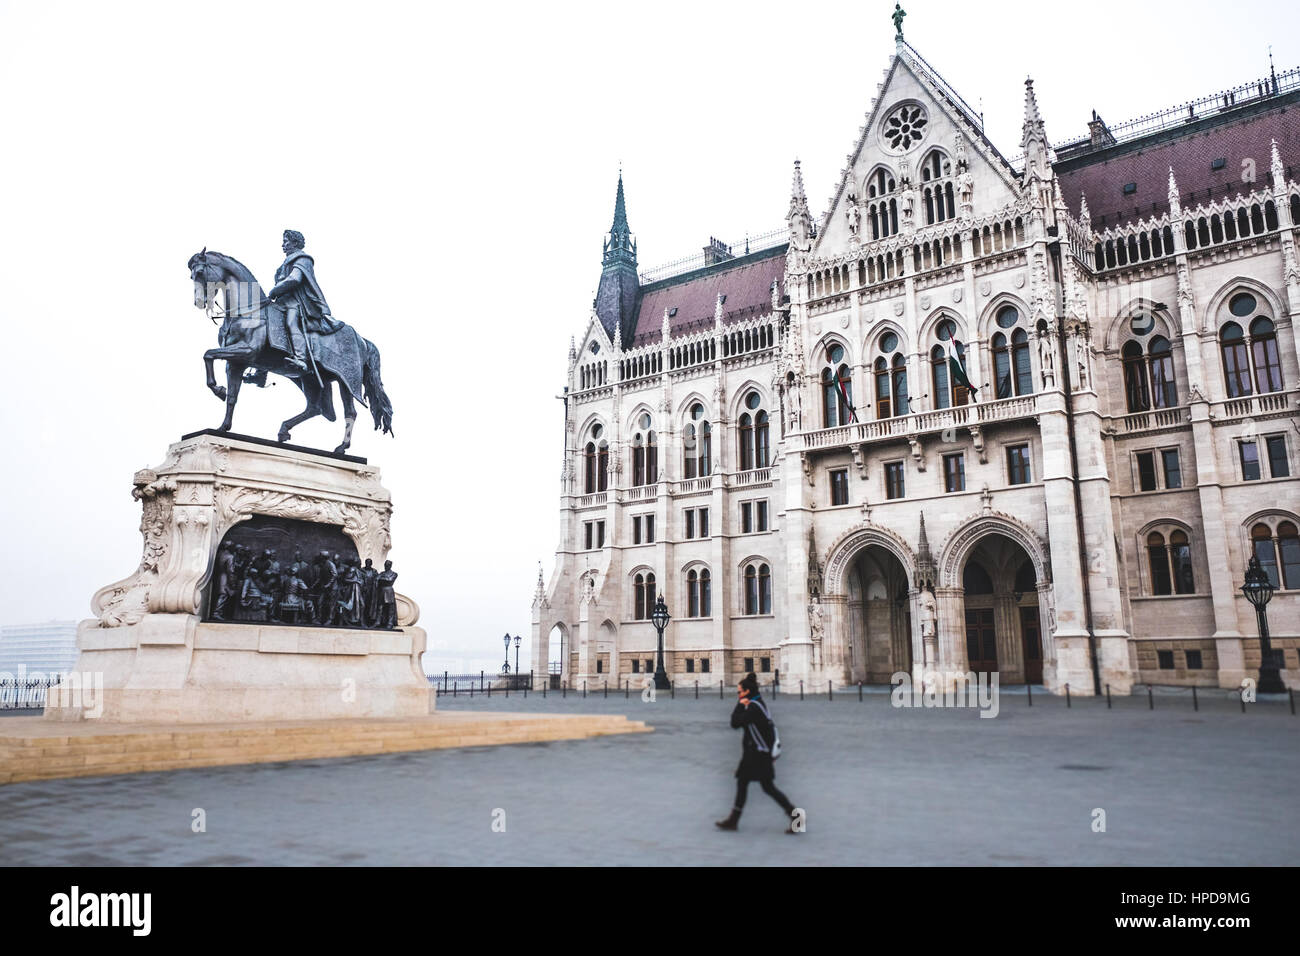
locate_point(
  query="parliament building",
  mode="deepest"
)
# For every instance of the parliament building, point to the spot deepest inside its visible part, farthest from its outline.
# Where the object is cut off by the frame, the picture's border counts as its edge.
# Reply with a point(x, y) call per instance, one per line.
point(1029, 415)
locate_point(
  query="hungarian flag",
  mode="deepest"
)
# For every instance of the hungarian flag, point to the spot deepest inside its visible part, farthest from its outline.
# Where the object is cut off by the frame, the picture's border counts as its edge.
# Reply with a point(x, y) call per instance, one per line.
point(844, 396)
point(956, 366)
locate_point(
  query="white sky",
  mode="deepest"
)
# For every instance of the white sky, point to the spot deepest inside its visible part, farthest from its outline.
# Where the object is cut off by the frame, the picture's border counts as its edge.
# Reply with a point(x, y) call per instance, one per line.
point(453, 169)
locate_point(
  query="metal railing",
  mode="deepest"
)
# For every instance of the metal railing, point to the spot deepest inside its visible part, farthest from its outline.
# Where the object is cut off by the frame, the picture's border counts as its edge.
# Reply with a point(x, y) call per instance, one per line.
point(751, 244)
point(27, 693)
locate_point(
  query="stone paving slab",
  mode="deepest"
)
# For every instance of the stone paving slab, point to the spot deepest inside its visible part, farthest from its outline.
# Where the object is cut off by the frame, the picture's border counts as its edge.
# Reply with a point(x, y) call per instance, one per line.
point(881, 785)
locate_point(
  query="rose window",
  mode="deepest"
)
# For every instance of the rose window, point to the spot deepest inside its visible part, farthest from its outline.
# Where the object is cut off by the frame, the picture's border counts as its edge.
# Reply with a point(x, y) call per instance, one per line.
point(905, 127)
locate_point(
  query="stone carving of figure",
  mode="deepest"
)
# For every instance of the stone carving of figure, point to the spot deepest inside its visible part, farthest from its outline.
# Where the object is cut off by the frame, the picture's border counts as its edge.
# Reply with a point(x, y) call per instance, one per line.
point(293, 603)
point(370, 592)
point(854, 216)
point(816, 622)
point(1046, 359)
point(801, 237)
point(348, 595)
point(966, 188)
point(928, 609)
point(1081, 358)
point(387, 596)
point(227, 582)
point(323, 596)
point(909, 206)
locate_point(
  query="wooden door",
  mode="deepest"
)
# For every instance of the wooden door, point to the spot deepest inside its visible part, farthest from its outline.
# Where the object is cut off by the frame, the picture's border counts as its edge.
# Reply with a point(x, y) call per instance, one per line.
point(981, 641)
point(1031, 641)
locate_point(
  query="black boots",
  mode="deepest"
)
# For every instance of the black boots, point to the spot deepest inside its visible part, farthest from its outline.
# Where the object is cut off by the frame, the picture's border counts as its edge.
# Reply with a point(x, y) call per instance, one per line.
point(731, 823)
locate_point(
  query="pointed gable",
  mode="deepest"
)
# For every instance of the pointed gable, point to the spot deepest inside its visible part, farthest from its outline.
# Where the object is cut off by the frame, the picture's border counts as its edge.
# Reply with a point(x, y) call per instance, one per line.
point(914, 112)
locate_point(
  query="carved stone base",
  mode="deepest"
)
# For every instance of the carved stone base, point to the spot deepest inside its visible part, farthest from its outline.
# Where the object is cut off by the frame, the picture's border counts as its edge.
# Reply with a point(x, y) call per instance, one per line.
point(159, 662)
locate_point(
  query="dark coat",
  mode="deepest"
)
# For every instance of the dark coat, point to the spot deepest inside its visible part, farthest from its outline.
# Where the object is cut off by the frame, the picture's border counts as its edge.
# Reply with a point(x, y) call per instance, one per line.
point(757, 734)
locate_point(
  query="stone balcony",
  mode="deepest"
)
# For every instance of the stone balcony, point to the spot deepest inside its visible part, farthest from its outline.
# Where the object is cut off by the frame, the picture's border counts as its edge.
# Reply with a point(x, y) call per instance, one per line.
point(918, 424)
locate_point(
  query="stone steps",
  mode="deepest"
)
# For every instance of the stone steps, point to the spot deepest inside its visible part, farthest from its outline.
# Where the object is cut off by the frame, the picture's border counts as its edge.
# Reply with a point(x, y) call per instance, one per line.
point(32, 748)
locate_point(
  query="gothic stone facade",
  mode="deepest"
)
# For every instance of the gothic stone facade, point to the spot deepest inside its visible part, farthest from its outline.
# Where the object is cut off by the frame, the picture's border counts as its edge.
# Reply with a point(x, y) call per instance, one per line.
point(778, 443)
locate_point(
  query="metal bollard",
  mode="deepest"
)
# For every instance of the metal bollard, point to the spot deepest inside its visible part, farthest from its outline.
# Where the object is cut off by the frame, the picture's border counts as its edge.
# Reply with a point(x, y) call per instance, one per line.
point(1029, 691)
point(1108, 697)
point(1067, 695)
point(544, 683)
point(672, 690)
point(1195, 704)
point(720, 692)
point(697, 690)
point(859, 691)
point(1241, 696)
point(627, 687)
point(607, 687)
point(801, 690)
point(1290, 693)
point(489, 690)
point(584, 690)
point(830, 691)
point(1151, 700)
point(564, 690)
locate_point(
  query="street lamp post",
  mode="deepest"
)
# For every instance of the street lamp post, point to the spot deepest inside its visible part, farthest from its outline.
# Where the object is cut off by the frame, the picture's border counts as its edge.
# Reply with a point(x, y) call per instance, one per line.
point(660, 617)
point(1259, 591)
point(505, 668)
point(518, 640)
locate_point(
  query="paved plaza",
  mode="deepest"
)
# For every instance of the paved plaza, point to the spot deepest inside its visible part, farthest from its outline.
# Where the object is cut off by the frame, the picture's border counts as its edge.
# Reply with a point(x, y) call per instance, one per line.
point(881, 785)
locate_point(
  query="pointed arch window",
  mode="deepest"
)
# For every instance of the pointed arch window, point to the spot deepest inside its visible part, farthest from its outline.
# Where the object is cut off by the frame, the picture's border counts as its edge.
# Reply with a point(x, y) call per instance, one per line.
point(754, 434)
point(890, 372)
point(837, 389)
point(882, 207)
point(937, 196)
point(1011, 367)
point(697, 445)
point(645, 454)
point(1136, 392)
point(595, 462)
point(1250, 361)
point(947, 392)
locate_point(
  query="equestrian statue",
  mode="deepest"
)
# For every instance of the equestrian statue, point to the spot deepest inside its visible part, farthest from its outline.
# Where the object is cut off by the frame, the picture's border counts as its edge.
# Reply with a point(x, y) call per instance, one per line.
point(288, 331)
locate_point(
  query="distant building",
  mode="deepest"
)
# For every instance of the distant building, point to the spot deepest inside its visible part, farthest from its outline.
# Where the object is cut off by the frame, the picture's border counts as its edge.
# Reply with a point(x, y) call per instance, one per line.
point(50, 647)
point(1026, 416)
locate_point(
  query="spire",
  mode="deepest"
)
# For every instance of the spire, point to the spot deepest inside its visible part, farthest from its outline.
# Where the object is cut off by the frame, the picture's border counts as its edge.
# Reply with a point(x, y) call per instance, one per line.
point(539, 595)
point(798, 200)
point(1175, 207)
point(923, 545)
point(619, 244)
point(1038, 152)
point(619, 283)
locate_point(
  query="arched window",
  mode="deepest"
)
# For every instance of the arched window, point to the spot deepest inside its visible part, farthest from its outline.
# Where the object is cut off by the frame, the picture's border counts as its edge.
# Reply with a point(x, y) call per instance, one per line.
point(882, 208)
point(936, 191)
point(758, 589)
point(699, 597)
point(754, 435)
point(697, 445)
point(595, 462)
point(1135, 378)
point(1164, 390)
point(947, 392)
point(1170, 561)
point(643, 590)
point(837, 389)
point(1278, 551)
point(645, 459)
point(1250, 363)
point(746, 435)
point(1012, 371)
point(762, 446)
point(890, 370)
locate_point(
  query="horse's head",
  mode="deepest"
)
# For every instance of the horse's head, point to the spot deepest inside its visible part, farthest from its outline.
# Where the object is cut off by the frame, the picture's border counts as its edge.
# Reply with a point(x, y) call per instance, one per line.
point(206, 274)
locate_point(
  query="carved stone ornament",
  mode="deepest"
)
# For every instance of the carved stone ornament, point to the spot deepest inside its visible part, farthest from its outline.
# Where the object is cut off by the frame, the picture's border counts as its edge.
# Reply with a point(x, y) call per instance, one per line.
point(207, 485)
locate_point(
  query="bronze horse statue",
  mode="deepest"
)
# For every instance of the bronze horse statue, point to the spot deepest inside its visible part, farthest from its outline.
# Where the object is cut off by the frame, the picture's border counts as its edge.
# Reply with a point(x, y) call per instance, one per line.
point(253, 335)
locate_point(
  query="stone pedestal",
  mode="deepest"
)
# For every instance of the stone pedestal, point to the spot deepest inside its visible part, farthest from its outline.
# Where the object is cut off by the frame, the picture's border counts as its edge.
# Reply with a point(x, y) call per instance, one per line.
point(153, 643)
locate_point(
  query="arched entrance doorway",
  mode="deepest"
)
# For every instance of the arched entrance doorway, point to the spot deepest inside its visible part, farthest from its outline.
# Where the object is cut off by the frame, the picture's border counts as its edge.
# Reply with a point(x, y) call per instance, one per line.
point(1003, 632)
point(879, 616)
point(557, 646)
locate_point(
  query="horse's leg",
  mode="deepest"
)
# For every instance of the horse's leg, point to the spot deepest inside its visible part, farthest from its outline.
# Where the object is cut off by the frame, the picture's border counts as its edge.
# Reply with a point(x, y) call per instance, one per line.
point(213, 387)
point(349, 415)
point(234, 379)
point(312, 391)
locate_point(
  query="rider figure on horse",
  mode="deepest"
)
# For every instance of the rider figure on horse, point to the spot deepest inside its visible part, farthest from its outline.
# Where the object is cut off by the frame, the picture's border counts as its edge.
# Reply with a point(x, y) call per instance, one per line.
point(298, 293)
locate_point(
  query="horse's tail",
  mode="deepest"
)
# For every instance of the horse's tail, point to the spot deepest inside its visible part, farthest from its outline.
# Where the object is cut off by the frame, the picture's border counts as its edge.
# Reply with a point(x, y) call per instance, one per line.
point(381, 409)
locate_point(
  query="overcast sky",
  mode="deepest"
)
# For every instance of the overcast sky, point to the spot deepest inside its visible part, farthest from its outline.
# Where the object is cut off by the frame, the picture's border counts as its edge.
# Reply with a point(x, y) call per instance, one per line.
point(453, 169)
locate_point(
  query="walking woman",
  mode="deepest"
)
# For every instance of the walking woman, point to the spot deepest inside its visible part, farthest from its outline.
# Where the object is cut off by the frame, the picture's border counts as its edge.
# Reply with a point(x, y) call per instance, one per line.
point(758, 735)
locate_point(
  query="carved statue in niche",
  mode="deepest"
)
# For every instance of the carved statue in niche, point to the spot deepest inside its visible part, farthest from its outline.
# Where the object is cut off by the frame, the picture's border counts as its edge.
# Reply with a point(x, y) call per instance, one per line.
point(927, 607)
point(854, 215)
point(1081, 356)
point(816, 622)
point(1046, 359)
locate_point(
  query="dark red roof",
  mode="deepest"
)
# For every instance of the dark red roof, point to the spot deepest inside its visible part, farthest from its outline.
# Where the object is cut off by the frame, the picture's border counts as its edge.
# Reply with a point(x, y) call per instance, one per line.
point(1243, 134)
point(745, 281)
